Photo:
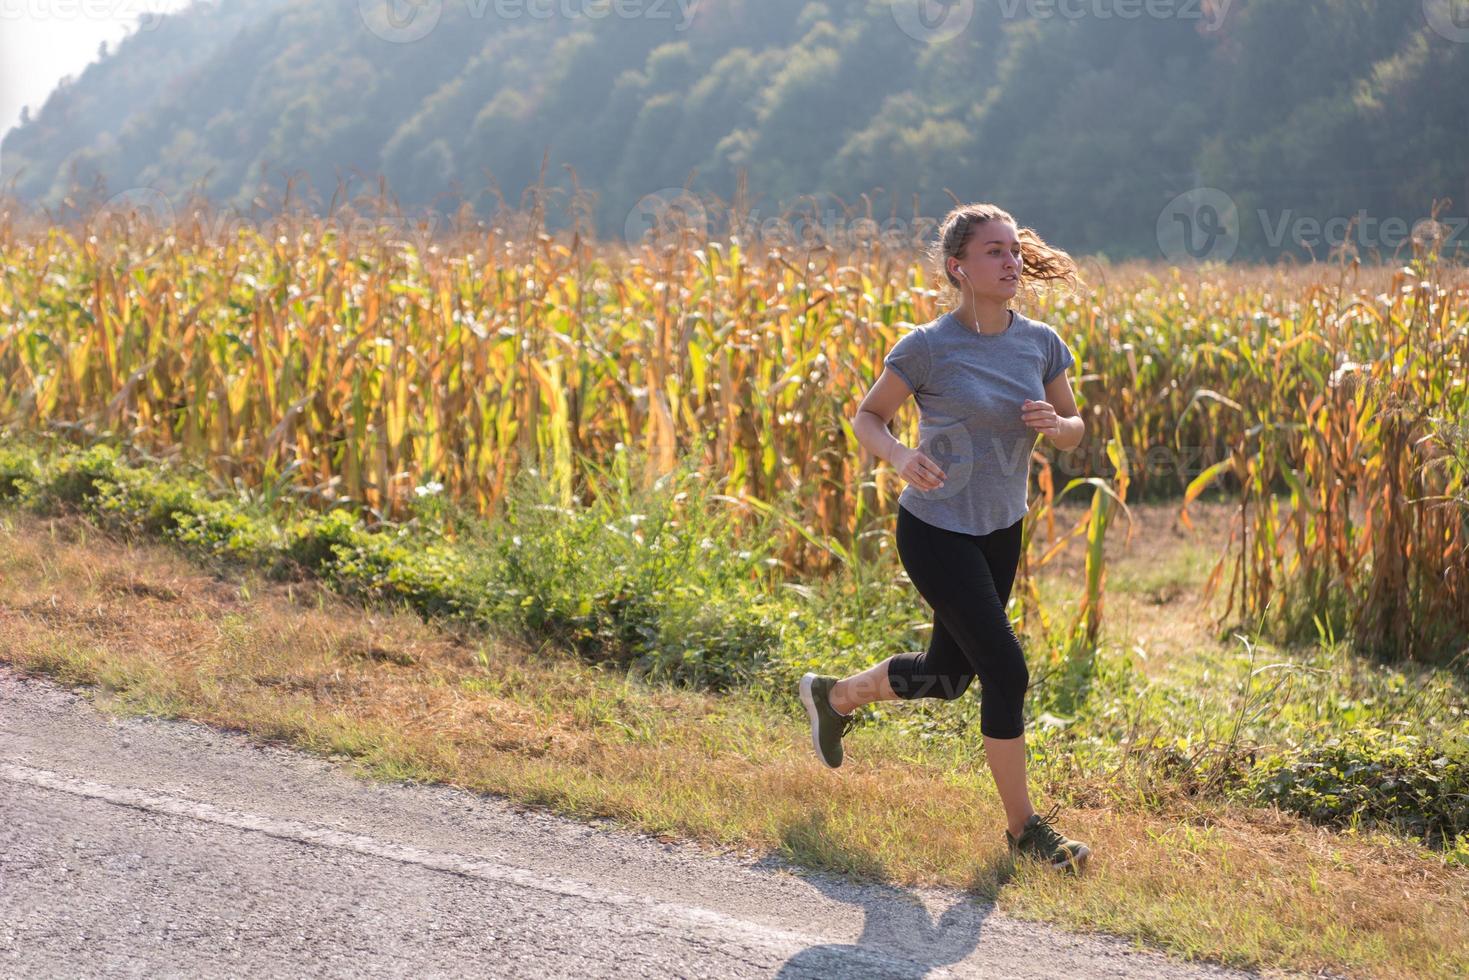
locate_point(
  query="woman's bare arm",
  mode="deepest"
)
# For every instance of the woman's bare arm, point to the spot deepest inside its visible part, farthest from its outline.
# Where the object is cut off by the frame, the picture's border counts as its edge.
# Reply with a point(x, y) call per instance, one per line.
point(870, 423)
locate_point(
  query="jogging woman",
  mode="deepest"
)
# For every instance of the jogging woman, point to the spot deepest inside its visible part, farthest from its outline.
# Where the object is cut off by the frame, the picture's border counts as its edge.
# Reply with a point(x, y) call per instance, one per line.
point(988, 381)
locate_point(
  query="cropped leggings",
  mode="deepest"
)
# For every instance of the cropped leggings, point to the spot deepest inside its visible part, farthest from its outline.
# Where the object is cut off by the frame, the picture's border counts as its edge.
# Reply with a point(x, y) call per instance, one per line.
point(966, 578)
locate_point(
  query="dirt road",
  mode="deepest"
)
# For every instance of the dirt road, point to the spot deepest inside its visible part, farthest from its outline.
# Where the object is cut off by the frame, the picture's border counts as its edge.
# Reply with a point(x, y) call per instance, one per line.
point(143, 847)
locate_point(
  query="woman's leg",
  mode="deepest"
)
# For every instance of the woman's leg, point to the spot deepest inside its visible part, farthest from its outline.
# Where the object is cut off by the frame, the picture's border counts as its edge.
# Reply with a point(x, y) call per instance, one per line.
point(951, 572)
point(941, 671)
point(851, 693)
point(1006, 756)
point(1002, 550)
point(967, 580)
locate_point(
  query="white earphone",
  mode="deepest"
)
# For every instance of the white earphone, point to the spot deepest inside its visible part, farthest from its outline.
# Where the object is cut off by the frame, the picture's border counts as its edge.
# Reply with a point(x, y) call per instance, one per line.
point(962, 274)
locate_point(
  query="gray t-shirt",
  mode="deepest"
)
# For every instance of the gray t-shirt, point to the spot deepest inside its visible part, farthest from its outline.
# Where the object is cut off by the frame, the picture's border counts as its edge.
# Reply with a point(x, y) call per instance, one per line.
point(970, 388)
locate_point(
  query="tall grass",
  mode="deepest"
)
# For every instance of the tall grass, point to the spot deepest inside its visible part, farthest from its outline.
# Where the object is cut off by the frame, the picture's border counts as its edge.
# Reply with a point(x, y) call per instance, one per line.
point(1359, 409)
point(340, 359)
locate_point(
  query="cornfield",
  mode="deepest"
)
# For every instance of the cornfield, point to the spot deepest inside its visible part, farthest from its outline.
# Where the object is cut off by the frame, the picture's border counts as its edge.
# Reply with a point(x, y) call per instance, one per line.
point(348, 363)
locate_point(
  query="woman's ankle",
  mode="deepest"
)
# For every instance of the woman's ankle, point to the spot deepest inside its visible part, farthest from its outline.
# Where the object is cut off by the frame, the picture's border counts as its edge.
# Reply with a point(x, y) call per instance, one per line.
point(838, 704)
point(1014, 832)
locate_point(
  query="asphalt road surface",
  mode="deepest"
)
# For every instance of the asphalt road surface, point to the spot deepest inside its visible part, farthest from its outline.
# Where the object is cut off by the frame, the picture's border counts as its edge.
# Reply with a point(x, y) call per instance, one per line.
point(153, 848)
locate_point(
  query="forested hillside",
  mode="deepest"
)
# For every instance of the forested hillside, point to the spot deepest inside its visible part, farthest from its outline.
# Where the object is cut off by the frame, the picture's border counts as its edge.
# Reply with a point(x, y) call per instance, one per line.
point(1084, 126)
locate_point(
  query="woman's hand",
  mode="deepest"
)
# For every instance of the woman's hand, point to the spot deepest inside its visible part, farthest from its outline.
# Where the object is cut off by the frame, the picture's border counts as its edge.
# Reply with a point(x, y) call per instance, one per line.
point(915, 467)
point(1042, 417)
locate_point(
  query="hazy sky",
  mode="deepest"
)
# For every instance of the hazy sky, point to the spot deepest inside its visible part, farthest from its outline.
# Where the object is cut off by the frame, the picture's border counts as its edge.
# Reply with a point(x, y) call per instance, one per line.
point(43, 40)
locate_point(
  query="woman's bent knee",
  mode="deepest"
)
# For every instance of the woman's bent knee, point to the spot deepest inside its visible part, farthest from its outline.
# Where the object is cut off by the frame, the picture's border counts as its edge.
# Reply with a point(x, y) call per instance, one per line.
point(911, 676)
point(1007, 732)
point(952, 686)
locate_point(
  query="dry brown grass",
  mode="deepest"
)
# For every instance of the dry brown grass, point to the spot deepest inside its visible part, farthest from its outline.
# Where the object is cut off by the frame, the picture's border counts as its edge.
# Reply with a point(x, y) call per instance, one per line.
point(407, 699)
point(1155, 567)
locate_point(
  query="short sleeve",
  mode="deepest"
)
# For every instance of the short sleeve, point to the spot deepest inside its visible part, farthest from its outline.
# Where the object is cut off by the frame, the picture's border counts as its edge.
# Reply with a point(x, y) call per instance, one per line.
point(1058, 355)
point(909, 359)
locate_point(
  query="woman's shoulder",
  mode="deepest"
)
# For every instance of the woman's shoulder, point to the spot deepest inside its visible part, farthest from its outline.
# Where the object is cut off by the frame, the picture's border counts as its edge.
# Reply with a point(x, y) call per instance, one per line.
point(1043, 333)
point(905, 327)
point(1054, 348)
point(918, 335)
point(933, 324)
point(1037, 326)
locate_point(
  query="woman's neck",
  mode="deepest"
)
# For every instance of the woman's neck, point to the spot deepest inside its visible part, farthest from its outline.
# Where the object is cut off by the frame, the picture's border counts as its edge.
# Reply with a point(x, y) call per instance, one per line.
point(991, 318)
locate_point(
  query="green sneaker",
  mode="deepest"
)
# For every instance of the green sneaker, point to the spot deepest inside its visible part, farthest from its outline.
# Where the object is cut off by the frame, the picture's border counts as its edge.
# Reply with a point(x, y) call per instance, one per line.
point(1041, 840)
point(827, 726)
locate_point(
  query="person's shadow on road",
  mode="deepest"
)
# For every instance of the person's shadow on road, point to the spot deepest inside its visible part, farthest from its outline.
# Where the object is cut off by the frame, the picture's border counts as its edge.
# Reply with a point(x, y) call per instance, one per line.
point(900, 937)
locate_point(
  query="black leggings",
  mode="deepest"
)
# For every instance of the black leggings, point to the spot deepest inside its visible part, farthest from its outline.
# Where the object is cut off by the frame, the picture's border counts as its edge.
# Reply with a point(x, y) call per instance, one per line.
point(966, 578)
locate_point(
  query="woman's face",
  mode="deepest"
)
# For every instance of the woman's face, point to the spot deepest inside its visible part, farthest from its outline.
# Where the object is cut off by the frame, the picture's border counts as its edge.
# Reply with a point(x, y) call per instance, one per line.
point(991, 261)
